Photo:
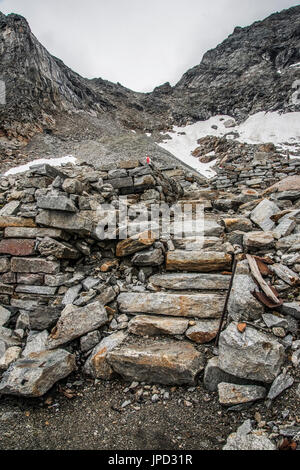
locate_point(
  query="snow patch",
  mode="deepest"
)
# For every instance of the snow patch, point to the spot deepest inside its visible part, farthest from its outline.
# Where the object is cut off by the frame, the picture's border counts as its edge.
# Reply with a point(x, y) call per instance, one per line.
point(259, 128)
point(50, 161)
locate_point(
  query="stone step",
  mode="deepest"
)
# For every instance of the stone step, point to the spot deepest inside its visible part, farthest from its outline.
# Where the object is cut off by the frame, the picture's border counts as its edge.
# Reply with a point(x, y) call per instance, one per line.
point(166, 362)
point(176, 305)
point(194, 281)
point(206, 203)
point(199, 261)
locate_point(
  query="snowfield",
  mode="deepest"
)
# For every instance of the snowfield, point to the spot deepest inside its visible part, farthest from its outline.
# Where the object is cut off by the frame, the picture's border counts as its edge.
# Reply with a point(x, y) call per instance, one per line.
point(40, 161)
point(280, 129)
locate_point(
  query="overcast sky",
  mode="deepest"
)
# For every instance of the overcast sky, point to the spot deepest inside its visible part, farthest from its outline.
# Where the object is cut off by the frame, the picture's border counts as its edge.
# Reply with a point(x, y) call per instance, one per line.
point(139, 43)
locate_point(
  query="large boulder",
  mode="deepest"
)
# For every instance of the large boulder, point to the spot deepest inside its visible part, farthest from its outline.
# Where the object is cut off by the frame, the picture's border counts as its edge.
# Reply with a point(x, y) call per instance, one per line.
point(34, 375)
point(251, 354)
point(159, 362)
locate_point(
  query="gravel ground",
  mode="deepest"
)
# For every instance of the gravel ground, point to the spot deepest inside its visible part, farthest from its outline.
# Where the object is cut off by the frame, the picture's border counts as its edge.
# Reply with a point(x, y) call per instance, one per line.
point(74, 416)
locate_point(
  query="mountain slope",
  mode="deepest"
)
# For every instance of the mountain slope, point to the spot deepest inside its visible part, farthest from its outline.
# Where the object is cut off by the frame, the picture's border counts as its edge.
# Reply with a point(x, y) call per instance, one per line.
point(51, 110)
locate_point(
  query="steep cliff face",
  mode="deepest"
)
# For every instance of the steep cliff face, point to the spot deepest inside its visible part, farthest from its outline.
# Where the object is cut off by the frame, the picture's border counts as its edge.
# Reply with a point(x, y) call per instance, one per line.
point(37, 84)
point(50, 106)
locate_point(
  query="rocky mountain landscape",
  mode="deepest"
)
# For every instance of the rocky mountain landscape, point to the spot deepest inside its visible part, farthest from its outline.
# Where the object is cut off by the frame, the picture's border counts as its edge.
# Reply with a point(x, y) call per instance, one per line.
point(191, 343)
point(51, 110)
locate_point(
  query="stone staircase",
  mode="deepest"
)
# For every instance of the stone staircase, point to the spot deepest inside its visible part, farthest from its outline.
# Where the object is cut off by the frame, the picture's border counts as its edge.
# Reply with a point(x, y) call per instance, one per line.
point(178, 314)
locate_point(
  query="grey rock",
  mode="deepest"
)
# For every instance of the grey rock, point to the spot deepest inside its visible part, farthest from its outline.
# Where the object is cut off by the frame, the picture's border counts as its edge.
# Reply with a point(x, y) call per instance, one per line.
point(284, 228)
point(58, 203)
point(90, 283)
point(162, 362)
point(36, 290)
point(149, 258)
point(97, 365)
point(34, 265)
point(197, 281)
point(57, 280)
point(284, 273)
point(291, 308)
point(242, 305)
point(72, 186)
point(51, 247)
point(11, 208)
point(248, 442)
point(35, 375)
point(281, 383)
point(89, 341)
point(36, 342)
point(119, 183)
point(4, 316)
point(75, 322)
point(213, 376)
point(232, 394)
point(262, 213)
point(4, 265)
point(251, 355)
point(258, 240)
point(77, 223)
point(71, 294)
point(203, 331)
point(185, 305)
point(42, 318)
point(10, 356)
point(148, 325)
point(28, 232)
point(288, 242)
point(273, 320)
point(290, 431)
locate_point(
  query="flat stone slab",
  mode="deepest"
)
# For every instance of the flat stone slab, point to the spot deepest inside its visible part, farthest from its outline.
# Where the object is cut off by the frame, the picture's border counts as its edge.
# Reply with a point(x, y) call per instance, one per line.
point(162, 362)
point(58, 203)
point(251, 354)
point(28, 232)
point(185, 305)
point(34, 265)
point(148, 325)
point(17, 247)
point(76, 223)
point(193, 281)
point(51, 247)
point(6, 221)
point(203, 332)
point(232, 394)
point(35, 375)
point(198, 261)
point(75, 322)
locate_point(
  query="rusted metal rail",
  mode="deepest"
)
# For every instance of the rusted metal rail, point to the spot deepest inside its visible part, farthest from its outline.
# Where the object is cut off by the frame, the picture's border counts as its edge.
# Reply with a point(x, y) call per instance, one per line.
point(223, 317)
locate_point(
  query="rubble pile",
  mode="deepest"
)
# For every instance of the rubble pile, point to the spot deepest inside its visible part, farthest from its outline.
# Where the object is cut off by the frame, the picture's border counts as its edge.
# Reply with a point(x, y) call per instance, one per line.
point(147, 308)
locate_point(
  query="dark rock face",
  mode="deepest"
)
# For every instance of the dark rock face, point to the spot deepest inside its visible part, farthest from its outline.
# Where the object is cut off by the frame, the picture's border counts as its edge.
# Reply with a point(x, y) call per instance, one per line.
point(250, 71)
point(51, 107)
